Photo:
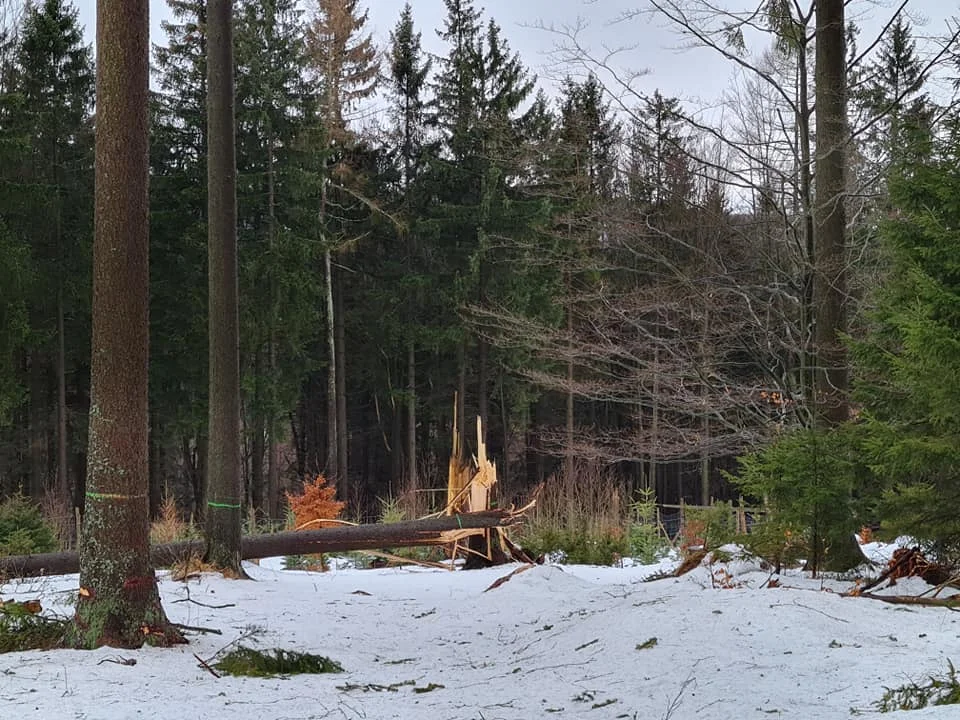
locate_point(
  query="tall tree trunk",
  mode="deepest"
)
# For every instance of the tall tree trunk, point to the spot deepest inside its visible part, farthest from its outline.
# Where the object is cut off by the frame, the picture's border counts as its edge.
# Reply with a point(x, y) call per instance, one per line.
point(272, 490)
point(225, 494)
point(569, 458)
point(461, 400)
point(332, 442)
point(807, 312)
point(341, 359)
point(156, 468)
point(411, 453)
point(38, 425)
point(483, 401)
point(830, 283)
point(63, 483)
point(119, 603)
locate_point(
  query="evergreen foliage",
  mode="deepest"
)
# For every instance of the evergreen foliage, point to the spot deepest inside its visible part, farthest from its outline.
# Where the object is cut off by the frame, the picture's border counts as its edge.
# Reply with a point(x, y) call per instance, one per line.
point(249, 662)
point(913, 348)
point(809, 479)
point(23, 530)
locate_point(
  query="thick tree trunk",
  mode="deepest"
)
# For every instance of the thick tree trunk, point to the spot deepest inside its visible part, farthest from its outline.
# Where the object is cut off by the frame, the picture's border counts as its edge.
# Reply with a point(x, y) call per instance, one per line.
point(830, 282)
point(225, 481)
point(118, 603)
point(415, 533)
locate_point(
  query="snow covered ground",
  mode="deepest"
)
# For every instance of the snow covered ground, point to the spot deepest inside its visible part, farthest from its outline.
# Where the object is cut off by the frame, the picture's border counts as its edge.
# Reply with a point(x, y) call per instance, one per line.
point(552, 642)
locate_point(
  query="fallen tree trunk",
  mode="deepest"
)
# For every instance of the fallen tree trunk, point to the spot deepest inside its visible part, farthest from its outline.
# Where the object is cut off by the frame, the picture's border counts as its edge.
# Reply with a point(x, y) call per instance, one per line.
point(431, 531)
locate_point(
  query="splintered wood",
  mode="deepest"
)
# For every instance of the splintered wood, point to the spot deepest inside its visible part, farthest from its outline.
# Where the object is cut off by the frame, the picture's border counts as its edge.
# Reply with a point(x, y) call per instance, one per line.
point(470, 489)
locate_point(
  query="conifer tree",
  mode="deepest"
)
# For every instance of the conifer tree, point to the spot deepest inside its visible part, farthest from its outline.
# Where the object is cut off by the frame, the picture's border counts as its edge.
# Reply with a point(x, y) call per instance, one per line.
point(279, 295)
point(905, 363)
point(893, 94)
point(343, 60)
point(178, 368)
point(408, 74)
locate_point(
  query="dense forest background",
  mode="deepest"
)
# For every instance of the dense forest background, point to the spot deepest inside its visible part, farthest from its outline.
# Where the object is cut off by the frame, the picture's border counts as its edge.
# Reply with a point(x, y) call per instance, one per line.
point(617, 284)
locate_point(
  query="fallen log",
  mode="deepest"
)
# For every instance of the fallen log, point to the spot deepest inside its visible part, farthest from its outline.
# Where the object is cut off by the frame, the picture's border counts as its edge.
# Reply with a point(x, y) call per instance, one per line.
point(430, 531)
point(953, 603)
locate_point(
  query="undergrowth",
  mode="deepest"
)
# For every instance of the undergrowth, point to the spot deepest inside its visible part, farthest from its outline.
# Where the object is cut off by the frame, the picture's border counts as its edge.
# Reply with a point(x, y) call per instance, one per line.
point(254, 663)
point(22, 627)
point(588, 519)
point(23, 530)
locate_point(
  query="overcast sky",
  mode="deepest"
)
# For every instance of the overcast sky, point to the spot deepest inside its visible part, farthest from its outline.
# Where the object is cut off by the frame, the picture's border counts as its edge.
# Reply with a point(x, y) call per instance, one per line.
point(689, 74)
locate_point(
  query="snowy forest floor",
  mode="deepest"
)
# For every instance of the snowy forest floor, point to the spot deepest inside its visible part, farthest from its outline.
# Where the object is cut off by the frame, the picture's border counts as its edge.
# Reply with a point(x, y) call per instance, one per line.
point(552, 642)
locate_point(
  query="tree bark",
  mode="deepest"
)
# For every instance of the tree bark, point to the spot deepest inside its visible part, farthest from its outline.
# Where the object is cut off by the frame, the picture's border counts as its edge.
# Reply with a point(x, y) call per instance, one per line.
point(118, 603)
point(830, 280)
point(38, 425)
point(225, 482)
point(272, 489)
point(332, 431)
point(341, 357)
point(63, 483)
point(411, 417)
point(414, 533)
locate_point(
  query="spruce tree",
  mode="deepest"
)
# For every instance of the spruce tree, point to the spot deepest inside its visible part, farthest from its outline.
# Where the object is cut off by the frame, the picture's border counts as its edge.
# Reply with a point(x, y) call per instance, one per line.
point(178, 368)
point(912, 350)
point(119, 602)
point(408, 73)
point(343, 59)
point(279, 294)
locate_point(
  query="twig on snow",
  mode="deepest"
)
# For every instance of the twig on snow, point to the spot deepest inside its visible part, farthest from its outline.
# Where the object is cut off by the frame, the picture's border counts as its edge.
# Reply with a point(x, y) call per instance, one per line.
point(206, 666)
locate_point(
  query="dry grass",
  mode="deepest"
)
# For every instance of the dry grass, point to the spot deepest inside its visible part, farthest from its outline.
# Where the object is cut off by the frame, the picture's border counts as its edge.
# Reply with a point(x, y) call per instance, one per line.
point(59, 516)
point(592, 501)
point(170, 526)
point(193, 566)
point(585, 516)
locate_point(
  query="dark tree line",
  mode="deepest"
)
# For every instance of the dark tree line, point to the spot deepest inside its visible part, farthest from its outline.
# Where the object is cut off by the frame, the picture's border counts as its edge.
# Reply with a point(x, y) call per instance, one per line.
point(599, 279)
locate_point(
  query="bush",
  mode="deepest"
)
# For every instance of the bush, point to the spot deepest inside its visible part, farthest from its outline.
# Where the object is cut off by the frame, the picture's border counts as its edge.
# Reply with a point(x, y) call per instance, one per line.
point(779, 543)
point(577, 547)
point(315, 504)
point(23, 530)
point(710, 527)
